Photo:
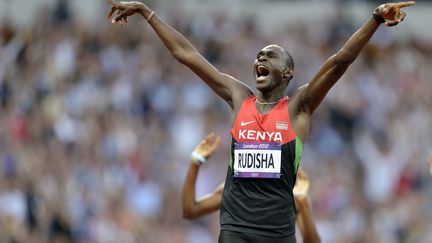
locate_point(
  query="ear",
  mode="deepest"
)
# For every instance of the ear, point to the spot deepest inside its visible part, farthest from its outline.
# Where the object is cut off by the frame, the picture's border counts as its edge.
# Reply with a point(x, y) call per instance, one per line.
point(288, 73)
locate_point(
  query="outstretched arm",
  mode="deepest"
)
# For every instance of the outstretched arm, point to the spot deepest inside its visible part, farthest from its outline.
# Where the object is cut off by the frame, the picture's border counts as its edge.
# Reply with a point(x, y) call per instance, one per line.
point(227, 87)
point(332, 69)
point(209, 203)
point(304, 216)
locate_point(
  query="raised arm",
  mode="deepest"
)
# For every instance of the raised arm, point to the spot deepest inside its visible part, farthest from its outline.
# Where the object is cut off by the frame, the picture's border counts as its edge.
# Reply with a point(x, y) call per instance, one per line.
point(227, 87)
point(193, 208)
point(304, 215)
point(334, 67)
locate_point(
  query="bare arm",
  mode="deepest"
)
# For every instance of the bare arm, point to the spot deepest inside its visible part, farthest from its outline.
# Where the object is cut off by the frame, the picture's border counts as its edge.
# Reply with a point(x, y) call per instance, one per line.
point(304, 215)
point(305, 221)
point(227, 87)
point(209, 203)
point(193, 208)
point(332, 69)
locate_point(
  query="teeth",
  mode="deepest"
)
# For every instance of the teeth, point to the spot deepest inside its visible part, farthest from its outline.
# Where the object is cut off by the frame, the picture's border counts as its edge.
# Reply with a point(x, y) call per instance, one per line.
point(261, 78)
point(262, 70)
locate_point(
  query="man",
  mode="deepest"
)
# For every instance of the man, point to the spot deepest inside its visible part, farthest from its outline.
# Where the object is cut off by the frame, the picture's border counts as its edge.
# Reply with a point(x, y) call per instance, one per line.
point(268, 129)
point(210, 203)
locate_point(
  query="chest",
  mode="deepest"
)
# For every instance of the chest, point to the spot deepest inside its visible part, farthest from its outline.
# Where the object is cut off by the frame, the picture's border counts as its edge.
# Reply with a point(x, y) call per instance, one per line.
point(274, 126)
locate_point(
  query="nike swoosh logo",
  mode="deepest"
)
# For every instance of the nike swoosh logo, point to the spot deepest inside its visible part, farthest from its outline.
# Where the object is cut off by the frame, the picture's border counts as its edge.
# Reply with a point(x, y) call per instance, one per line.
point(246, 123)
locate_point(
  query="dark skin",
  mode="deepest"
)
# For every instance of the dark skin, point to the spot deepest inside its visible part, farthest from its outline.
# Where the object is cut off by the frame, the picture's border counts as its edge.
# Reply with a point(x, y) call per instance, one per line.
point(272, 58)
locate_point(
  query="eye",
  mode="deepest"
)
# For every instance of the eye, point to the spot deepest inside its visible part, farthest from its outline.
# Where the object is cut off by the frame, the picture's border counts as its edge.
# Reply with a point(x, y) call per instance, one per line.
point(260, 54)
point(272, 55)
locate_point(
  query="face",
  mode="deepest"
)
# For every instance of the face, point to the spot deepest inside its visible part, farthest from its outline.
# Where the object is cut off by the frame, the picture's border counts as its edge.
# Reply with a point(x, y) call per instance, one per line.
point(269, 67)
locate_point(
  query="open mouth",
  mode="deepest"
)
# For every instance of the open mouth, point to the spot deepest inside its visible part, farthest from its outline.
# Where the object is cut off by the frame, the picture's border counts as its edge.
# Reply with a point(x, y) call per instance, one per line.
point(262, 71)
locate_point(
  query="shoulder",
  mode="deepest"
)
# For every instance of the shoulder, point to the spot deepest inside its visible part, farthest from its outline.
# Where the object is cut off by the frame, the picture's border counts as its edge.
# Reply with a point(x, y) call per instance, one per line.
point(240, 87)
point(240, 93)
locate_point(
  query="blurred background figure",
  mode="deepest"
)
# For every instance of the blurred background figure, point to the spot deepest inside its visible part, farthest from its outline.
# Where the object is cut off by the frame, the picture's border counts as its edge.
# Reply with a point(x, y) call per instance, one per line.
point(87, 115)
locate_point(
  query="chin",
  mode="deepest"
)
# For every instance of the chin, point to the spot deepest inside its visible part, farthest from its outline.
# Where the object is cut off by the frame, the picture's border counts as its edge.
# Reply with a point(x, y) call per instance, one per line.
point(262, 87)
point(263, 84)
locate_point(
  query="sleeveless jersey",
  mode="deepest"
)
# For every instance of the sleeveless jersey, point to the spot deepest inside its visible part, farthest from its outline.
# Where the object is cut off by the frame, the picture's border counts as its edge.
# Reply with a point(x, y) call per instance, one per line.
point(265, 154)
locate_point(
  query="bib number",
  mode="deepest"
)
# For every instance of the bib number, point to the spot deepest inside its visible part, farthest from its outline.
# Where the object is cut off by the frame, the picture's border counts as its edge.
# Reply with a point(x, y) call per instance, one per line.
point(257, 160)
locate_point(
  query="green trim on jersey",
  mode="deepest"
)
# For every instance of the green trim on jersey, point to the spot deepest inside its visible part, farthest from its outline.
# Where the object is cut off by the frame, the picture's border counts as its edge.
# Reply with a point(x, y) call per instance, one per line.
point(298, 153)
point(231, 162)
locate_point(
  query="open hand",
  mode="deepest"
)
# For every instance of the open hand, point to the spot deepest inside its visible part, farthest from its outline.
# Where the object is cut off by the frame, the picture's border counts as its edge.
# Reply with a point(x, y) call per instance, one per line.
point(208, 145)
point(125, 9)
point(392, 13)
point(302, 185)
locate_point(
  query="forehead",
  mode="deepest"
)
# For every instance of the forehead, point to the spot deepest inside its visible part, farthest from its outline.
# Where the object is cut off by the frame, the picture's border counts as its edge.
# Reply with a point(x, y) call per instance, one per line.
point(273, 48)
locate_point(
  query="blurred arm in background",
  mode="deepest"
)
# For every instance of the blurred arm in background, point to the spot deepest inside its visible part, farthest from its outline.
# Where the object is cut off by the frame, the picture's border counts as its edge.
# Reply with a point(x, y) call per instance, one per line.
point(210, 203)
point(304, 215)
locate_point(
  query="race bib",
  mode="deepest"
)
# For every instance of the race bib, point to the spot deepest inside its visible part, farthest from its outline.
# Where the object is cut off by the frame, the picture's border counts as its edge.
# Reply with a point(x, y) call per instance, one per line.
point(257, 160)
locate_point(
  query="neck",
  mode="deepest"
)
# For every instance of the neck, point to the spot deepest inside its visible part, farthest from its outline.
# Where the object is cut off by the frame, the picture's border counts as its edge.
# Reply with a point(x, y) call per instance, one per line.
point(270, 97)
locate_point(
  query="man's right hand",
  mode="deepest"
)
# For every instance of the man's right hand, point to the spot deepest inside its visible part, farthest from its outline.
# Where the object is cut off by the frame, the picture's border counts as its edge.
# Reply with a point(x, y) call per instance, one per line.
point(126, 9)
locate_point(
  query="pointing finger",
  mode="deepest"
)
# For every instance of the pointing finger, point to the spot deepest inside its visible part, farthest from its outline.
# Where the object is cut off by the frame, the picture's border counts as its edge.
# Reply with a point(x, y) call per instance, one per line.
point(405, 4)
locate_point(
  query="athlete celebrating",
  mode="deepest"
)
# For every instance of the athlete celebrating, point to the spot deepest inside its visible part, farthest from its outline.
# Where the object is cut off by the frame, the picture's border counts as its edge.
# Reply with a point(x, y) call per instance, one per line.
point(209, 203)
point(268, 129)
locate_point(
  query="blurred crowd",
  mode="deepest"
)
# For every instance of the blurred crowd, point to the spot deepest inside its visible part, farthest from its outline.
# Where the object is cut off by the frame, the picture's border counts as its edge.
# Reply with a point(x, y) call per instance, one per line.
point(97, 126)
